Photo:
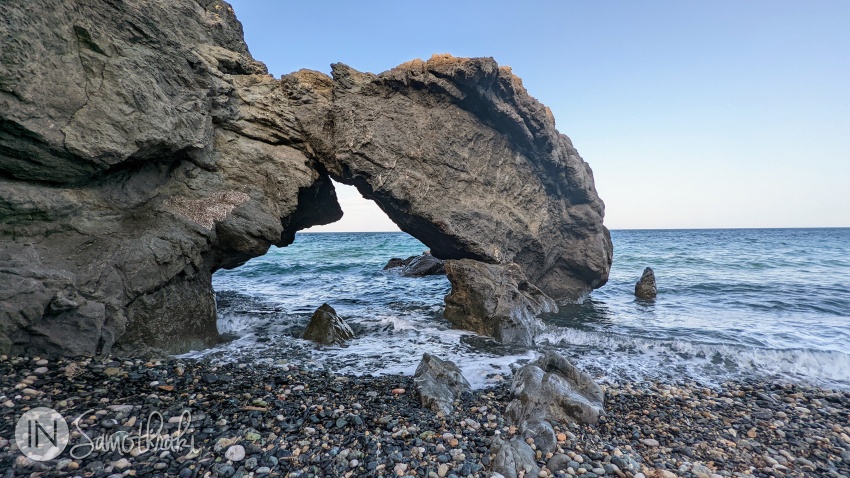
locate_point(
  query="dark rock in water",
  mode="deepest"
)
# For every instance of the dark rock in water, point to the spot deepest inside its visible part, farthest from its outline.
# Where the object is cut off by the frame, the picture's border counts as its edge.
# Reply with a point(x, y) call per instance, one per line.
point(424, 265)
point(460, 156)
point(417, 266)
point(495, 300)
point(513, 458)
point(645, 287)
point(553, 389)
point(326, 327)
point(439, 383)
point(541, 432)
point(398, 262)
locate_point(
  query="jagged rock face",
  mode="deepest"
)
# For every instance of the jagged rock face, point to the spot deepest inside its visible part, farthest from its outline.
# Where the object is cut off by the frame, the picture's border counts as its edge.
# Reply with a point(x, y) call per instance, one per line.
point(439, 383)
point(495, 300)
point(553, 389)
point(141, 149)
point(645, 288)
point(458, 154)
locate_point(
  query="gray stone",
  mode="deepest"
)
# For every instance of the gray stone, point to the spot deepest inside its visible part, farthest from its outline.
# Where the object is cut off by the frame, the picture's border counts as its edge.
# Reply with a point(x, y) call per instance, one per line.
point(558, 462)
point(553, 389)
point(439, 383)
point(645, 287)
point(326, 327)
point(541, 432)
point(495, 300)
point(513, 458)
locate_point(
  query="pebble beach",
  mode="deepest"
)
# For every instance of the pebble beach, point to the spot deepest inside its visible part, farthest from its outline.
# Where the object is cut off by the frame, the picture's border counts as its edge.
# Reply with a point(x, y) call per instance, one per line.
point(287, 420)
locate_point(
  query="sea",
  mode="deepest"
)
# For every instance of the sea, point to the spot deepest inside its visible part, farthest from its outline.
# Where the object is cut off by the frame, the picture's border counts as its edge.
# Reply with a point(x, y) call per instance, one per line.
point(762, 304)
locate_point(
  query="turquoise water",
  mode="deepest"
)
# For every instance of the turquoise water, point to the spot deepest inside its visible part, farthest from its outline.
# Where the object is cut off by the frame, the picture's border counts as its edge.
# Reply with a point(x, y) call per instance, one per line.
point(761, 303)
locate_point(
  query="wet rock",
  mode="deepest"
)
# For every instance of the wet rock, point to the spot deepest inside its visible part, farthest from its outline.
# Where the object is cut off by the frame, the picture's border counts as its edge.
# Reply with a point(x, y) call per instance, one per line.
point(513, 458)
point(645, 287)
point(326, 327)
point(495, 300)
point(417, 266)
point(398, 262)
point(424, 265)
point(439, 383)
point(553, 389)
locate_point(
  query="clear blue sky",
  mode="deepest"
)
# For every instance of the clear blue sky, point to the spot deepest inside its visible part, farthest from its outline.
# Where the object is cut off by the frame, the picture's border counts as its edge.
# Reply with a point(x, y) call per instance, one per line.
point(691, 114)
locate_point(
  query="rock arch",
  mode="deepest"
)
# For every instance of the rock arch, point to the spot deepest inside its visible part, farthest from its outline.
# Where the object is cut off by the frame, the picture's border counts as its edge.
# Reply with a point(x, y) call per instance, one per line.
point(171, 153)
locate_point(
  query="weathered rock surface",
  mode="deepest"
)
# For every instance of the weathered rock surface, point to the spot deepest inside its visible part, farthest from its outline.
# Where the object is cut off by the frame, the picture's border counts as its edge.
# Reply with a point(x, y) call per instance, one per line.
point(495, 300)
point(553, 389)
point(327, 328)
point(439, 383)
point(141, 149)
point(645, 288)
point(541, 432)
point(513, 458)
point(457, 153)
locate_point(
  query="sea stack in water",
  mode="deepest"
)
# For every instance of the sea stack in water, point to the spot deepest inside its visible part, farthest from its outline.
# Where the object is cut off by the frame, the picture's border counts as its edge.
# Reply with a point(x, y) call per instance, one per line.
point(439, 383)
point(495, 300)
point(327, 328)
point(645, 287)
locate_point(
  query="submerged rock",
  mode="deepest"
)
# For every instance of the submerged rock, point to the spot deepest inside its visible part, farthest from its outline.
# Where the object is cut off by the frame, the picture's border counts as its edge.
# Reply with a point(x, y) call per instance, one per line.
point(327, 328)
point(553, 389)
point(397, 262)
point(439, 383)
point(495, 300)
point(417, 266)
point(645, 288)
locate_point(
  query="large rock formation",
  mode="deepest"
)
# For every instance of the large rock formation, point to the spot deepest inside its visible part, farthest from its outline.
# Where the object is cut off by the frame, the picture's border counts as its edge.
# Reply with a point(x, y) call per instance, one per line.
point(142, 149)
point(458, 154)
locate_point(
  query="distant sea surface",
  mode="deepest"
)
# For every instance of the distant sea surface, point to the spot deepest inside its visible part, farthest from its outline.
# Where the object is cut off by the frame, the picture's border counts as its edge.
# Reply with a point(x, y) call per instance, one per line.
point(737, 303)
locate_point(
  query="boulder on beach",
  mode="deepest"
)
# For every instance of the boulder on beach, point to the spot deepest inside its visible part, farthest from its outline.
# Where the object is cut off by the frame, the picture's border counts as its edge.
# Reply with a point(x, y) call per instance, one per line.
point(495, 300)
point(327, 328)
point(645, 288)
point(439, 383)
point(553, 389)
point(513, 458)
point(417, 266)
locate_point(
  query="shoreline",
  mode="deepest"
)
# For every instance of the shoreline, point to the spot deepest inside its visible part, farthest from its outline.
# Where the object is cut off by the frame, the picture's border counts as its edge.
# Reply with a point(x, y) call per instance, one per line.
point(291, 421)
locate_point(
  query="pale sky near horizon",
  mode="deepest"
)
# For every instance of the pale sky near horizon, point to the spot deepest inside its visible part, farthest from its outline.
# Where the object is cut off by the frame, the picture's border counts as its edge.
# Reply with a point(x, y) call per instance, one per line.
point(691, 114)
